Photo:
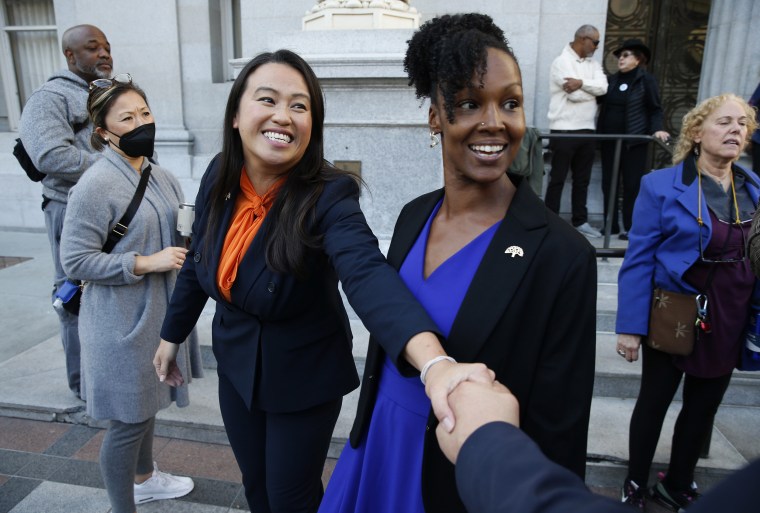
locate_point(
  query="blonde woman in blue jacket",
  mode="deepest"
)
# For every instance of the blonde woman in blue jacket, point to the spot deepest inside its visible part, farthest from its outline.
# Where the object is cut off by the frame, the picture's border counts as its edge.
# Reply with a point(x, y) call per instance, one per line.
point(689, 232)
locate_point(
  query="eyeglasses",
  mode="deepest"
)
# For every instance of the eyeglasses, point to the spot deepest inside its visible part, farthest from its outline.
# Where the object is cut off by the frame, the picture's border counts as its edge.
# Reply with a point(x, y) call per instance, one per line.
point(625, 55)
point(595, 41)
point(106, 83)
point(742, 250)
point(737, 222)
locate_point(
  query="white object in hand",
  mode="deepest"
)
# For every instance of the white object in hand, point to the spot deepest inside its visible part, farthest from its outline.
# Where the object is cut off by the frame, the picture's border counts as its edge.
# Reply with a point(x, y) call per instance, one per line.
point(185, 218)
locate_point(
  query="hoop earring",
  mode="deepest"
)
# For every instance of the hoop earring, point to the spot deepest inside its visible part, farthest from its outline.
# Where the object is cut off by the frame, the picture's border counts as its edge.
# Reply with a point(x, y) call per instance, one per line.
point(434, 140)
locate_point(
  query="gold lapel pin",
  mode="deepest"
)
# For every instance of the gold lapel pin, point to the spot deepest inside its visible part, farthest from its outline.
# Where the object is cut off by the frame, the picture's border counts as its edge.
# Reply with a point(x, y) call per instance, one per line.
point(514, 251)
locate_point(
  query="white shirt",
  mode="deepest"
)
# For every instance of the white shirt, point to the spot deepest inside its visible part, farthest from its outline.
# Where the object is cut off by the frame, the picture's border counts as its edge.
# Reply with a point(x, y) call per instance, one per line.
point(577, 110)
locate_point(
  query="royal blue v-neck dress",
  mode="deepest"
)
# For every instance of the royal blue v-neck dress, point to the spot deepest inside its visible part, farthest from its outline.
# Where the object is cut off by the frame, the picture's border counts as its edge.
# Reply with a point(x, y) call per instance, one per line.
point(383, 474)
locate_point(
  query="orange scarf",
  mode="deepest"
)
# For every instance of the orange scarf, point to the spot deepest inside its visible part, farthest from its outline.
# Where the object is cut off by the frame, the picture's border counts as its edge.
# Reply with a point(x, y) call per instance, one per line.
point(247, 218)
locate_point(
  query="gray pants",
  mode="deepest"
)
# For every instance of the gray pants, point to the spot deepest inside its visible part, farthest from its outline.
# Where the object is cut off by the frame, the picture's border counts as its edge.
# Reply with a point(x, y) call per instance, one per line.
point(127, 450)
point(54, 213)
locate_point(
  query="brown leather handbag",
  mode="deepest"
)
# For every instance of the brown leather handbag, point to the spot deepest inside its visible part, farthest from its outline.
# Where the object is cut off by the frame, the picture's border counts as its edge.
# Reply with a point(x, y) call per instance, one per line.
point(672, 322)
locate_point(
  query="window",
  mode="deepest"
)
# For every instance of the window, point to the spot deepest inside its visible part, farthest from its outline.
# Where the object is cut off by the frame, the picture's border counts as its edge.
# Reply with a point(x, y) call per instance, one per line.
point(226, 40)
point(29, 53)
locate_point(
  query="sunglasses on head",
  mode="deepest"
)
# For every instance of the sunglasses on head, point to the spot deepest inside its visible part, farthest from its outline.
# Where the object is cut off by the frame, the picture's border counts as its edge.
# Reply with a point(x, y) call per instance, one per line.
point(106, 83)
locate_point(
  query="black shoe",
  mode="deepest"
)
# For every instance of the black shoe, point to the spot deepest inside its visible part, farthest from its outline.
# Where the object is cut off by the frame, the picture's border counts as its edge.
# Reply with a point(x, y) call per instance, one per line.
point(675, 500)
point(632, 494)
point(623, 236)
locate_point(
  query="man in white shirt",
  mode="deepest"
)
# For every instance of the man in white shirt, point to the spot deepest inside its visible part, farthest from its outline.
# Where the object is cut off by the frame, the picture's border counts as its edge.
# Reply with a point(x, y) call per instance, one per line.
point(575, 82)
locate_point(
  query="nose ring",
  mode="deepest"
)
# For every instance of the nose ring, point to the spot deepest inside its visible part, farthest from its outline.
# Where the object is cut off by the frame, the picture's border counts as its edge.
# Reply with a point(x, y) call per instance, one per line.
point(482, 124)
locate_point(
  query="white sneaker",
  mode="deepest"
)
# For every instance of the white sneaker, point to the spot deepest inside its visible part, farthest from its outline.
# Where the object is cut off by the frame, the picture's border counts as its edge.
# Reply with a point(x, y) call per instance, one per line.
point(588, 230)
point(162, 485)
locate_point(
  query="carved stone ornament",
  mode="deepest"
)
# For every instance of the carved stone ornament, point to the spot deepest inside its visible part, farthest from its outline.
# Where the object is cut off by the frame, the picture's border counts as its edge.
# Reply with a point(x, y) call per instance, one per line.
point(394, 5)
point(361, 14)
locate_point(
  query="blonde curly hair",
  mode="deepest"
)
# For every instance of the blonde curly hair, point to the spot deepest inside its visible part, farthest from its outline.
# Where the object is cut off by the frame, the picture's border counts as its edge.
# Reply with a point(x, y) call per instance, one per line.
point(695, 118)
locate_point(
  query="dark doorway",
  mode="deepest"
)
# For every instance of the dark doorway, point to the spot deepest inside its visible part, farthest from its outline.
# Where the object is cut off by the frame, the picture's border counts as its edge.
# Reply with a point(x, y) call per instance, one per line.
point(675, 31)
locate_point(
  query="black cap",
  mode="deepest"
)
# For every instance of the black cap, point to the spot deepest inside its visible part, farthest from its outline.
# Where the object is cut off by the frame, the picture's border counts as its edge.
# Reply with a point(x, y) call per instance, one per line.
point(634, 44)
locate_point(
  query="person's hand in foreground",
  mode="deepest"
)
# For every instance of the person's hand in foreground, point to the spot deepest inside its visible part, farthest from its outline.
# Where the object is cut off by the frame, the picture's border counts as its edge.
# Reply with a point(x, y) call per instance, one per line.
point(476, 404)
point(443, 374)
point(165, 363)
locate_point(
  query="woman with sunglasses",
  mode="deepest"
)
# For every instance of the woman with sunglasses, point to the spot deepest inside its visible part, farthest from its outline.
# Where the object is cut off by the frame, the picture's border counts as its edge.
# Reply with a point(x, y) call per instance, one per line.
point(276, 227)
point(690, 224)
point(127, 291)
point(631, 106)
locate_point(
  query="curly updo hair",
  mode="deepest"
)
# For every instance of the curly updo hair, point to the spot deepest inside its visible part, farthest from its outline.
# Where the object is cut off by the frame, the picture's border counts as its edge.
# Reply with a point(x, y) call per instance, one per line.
point(446, 52)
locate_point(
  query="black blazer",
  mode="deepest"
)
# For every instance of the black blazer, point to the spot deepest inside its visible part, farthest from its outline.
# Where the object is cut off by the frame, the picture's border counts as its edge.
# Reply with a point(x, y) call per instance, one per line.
point(643, 109)
point(285, 343)
point(530, 318)
point(499, 471)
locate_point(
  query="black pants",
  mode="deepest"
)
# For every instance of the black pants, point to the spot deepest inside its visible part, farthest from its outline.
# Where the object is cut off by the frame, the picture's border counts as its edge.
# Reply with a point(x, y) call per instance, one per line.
point(701, 398)
point(576, 155)
point(633, 165)
point(281, 455)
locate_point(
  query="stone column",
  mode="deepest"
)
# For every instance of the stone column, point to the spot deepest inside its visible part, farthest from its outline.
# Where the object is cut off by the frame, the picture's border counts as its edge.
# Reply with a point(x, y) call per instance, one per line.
point(732, 51)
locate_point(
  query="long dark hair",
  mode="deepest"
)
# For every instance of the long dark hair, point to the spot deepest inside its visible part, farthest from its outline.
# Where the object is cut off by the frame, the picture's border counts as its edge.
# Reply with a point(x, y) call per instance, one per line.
point(288, 237)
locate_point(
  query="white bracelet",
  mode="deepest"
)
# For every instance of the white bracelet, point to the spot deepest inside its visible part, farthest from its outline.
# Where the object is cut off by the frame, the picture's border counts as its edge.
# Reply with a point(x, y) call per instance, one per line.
point(426, 367)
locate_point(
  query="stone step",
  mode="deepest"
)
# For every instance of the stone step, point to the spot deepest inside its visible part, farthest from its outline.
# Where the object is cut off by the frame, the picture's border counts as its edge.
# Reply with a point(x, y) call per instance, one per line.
point(607, 271)
point(33, 386)
point(732, 444)
point(617, 378)
point(614, 376)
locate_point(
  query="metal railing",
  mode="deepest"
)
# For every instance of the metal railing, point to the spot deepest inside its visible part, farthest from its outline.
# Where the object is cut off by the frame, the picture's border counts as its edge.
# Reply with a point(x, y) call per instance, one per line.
point(605, 251)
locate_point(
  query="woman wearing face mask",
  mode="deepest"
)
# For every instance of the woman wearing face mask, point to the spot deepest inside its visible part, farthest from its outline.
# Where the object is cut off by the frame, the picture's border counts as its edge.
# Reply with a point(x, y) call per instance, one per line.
point(631, 106)
point(127, 291)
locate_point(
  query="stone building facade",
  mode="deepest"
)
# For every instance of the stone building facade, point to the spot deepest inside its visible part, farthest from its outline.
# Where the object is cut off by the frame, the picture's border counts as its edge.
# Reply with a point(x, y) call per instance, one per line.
point(185, 53)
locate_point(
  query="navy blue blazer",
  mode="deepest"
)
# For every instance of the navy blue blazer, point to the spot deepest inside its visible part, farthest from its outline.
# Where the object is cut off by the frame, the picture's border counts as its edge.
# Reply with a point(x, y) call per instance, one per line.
point(285, 343)
point(663, 241)
point(531, 318)
point(499, 470)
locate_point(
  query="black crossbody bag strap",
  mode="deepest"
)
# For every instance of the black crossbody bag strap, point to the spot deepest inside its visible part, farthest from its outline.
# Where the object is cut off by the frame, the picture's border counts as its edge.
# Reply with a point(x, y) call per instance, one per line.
point(120, 229)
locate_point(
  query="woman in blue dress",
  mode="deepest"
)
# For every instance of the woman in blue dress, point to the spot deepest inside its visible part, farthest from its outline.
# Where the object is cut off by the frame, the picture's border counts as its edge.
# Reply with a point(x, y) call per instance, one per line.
point(508, 283)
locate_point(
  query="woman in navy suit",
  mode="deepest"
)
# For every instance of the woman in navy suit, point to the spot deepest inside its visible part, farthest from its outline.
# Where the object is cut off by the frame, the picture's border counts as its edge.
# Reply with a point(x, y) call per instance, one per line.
point(689, 232)
point(508, 282)
point(276, 227)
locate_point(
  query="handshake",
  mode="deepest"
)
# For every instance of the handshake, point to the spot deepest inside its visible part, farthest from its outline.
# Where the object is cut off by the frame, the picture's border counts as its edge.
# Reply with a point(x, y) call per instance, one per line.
point(476, 404)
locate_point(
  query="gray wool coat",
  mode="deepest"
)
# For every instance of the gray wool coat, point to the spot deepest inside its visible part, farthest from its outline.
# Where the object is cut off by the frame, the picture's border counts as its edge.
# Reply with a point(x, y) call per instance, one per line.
point(121, 312)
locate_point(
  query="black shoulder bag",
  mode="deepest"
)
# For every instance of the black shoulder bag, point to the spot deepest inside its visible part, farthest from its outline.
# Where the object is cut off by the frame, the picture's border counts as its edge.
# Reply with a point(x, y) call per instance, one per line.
point(70, 292)
point(28, 166)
